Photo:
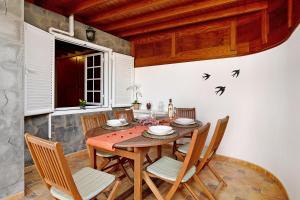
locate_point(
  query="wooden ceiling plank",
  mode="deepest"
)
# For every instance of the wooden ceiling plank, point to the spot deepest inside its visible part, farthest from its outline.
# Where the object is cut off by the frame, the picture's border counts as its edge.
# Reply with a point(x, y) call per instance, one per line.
point(162, 14)
point(84, 5)
point(230, 12)
point(290, 13)
point(264, 26)
point(233, 30)
point(129, 7)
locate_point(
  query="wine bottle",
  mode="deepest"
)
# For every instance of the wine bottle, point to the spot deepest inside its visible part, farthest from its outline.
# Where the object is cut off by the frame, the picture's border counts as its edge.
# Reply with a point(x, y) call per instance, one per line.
point(170, 109)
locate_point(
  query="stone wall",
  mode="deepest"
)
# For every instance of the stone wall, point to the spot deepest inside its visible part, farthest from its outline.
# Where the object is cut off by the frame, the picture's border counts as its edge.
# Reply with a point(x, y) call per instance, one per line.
point(65, 129)
point(44, 19)
point(38, 126)
point(11, 98)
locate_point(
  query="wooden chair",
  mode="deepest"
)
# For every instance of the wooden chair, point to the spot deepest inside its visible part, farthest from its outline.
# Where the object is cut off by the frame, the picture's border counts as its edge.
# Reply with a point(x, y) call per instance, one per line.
point(97, 120)
point(176, 172)
point(128, 112)
point(185, 113)
point(52, 166)
point(210, 151)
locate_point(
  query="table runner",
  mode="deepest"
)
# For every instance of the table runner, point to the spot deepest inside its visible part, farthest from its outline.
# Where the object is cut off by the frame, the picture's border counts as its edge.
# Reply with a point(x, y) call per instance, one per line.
point(107, 141)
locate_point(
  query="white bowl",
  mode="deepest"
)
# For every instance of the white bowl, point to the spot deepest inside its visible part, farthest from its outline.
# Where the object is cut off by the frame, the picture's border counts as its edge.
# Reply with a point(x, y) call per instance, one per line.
point(114, 122)
point(160, 130)
point(184, 121)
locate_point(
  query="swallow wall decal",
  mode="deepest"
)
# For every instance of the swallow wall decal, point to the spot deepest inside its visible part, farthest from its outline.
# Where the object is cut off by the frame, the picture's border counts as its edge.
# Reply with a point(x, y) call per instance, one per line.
point(220, 90)
point(206, 76)
point(235, 73)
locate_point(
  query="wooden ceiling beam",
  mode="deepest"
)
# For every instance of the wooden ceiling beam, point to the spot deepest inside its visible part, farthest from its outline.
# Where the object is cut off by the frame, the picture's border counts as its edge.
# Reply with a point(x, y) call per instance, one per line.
point(162, 14)
point(230, 12)
point(84, 5)
point(290, 13)
point(129, 7)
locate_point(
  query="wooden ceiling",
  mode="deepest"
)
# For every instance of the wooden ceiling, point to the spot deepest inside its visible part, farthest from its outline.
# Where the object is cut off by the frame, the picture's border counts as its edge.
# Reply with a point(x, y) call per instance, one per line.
point(130, 18)
point(169, 31)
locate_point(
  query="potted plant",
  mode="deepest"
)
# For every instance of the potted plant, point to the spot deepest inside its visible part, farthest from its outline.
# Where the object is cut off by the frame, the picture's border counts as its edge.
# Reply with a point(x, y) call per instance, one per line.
point(135, 104)
point(82, 103)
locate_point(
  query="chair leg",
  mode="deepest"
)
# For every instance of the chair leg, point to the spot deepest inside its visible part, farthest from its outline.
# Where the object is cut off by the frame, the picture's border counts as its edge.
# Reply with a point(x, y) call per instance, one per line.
point(174, 147)
point(152, 186)
point(205, 190)
point(148, 159)
point(114, 190)
point(131, 164)
point(104, 162)
point(220, 179)
point(124, 171)
point(195, 196)
point(179, 156)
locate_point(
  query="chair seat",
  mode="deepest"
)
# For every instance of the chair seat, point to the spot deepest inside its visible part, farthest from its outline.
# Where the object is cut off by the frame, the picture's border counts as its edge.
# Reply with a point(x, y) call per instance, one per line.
point(104, 154)
point(89, 182)
point(168, 168)
point(185, 148)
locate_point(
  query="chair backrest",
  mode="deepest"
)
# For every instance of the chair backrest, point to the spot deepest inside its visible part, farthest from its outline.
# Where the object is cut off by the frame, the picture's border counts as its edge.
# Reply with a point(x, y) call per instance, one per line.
point(185, 112)
point(93, 121)
point(127, 112)
point(215, 142)
point(51, 164)
point(195, 150)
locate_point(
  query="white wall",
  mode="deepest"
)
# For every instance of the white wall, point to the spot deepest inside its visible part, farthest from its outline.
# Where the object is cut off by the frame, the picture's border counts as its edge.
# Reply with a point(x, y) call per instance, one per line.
point(263, 103)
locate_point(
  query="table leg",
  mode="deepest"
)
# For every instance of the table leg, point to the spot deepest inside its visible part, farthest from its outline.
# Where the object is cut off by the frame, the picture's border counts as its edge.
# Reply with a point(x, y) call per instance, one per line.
point(138, 166)
point(92, 154)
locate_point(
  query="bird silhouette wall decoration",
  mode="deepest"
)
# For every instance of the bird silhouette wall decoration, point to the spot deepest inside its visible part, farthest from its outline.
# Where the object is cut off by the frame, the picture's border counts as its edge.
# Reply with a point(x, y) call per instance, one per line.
point(206, 76)
point(220, 90)
point(235, 73)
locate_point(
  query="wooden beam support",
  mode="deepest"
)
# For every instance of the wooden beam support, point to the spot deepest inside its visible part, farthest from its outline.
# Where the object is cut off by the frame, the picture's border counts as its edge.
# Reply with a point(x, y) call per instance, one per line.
point(233, 29)
point(290, 13)
point(166, 13)
point(173, 50)
point(264, 26)
point(84, 5)
point(129, 7)
point(132, 49)
point(230, 12)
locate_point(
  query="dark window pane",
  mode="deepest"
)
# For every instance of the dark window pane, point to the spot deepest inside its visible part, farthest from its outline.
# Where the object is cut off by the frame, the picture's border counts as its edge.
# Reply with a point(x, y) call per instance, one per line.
point(90, 73)
point(97, 85)
point(97, 72)
point(90, 85)
point(97, 96)
point(90, 61)
point(97, 60)
point(90, 97)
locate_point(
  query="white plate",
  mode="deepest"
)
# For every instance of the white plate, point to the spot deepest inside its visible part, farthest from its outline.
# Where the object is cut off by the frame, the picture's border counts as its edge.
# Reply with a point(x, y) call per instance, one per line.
point(115, 123)
point(160, 129)
point(184, 121)
point(161, 134)
point(142, 116)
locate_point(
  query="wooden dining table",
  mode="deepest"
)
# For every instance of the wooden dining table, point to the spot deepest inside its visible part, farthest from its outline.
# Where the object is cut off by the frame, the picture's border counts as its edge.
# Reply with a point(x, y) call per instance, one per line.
point(135, 149)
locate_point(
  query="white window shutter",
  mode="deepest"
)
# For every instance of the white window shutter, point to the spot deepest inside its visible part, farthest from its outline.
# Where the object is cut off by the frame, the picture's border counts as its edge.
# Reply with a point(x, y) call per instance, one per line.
point(122, 78)
point(39, 71)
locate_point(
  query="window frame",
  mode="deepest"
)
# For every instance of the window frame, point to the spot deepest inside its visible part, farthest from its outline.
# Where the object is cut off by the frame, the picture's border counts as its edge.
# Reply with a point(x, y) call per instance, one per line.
point(93, 79)
point(107, 58)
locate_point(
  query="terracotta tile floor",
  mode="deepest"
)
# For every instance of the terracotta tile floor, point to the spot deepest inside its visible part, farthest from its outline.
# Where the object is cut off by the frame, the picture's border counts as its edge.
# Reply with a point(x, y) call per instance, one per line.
point(243, 182)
